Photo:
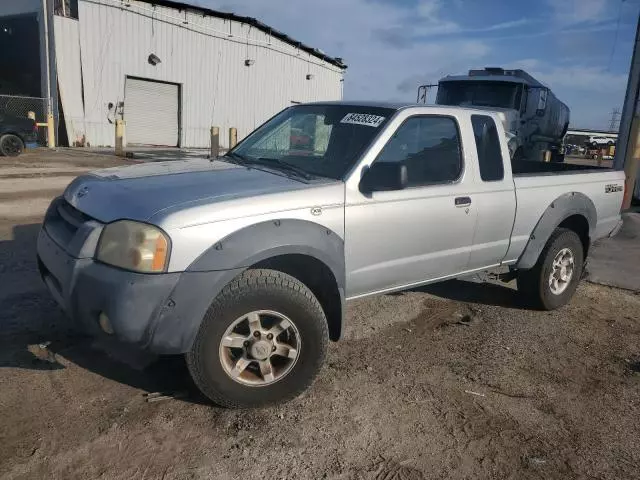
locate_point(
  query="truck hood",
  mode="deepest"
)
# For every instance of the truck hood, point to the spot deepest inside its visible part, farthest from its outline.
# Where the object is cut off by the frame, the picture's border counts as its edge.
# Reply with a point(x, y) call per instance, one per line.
point(139, 192)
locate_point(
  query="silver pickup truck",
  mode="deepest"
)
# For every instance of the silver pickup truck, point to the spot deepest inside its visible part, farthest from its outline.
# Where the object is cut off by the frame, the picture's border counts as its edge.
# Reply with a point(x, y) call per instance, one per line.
point(244, 263)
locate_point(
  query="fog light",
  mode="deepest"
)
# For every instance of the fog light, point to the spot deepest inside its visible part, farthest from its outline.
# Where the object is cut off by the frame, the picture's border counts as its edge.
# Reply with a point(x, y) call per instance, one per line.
point(105, 324)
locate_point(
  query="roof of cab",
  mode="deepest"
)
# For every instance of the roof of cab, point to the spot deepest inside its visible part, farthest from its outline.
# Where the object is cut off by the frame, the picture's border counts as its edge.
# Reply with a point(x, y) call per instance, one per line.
point(364, 103)
point(396, 105)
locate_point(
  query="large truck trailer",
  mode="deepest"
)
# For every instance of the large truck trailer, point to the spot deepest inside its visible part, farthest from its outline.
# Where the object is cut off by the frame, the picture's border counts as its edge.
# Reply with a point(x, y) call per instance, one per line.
point(534, 119)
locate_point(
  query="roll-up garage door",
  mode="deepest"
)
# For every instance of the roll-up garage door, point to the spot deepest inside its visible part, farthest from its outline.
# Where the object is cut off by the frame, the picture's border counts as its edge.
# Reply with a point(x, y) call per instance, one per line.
point(151, 110)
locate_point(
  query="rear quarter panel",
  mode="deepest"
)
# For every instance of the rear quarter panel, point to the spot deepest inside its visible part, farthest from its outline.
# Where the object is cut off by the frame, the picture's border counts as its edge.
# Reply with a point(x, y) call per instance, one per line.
point(535, 193)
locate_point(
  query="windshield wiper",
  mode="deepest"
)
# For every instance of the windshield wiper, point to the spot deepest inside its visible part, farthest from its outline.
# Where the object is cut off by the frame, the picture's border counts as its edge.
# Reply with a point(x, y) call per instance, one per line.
point(235, 156)
point(269, 162)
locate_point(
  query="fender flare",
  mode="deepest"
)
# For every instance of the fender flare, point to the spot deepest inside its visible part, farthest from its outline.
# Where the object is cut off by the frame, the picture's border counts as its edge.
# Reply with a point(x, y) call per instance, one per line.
point(177, 326)
point(563, 207)
point(264, 240)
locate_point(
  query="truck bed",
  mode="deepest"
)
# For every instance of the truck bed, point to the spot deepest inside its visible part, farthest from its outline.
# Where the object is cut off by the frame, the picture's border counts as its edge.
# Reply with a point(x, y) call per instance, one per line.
point(534, 168)
point(536, 190)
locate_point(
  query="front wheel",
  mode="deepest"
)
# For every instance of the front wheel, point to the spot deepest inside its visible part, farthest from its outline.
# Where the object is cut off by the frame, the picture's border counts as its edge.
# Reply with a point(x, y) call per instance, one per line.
point(262, 341)
point(553, 280)
point(11, 145)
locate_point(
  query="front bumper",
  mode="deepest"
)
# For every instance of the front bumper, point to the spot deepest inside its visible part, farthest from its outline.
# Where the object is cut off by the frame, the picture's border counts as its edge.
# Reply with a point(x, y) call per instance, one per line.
point(85, 289)
point(157, 312)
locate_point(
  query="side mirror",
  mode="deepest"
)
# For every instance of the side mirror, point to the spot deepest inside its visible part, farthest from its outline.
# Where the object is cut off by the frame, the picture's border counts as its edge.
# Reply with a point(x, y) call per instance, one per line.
point(384, 176)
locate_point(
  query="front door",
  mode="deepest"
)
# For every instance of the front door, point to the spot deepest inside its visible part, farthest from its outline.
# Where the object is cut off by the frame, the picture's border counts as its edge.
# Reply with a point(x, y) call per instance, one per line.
point(398, 238)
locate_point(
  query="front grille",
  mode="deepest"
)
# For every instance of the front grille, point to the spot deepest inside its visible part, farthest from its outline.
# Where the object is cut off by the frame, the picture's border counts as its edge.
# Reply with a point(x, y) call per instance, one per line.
point(71, 216)
point(63, 221)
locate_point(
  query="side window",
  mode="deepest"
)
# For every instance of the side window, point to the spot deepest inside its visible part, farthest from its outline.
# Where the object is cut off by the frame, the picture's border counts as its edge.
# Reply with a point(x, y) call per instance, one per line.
point(488, 145)
point(430, 148)
point(525, 100)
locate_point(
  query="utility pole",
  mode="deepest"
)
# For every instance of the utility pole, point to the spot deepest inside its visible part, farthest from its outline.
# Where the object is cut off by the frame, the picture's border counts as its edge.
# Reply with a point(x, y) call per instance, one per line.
point(629, 139)
point(613, 124)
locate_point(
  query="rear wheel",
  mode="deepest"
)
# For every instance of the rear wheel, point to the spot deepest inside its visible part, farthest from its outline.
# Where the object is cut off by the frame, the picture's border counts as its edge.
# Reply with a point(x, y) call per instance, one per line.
point(553, 280)
point(262, 341)
point(11, 145)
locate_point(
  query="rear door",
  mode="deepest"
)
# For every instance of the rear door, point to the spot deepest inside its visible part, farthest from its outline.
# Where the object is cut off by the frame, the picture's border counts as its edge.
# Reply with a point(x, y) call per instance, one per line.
point(395, 239)
point(151, 110)
point(493, 195)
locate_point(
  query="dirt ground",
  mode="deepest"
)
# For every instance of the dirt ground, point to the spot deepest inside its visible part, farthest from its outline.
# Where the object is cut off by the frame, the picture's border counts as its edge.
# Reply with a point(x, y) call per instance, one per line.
point(449, 381)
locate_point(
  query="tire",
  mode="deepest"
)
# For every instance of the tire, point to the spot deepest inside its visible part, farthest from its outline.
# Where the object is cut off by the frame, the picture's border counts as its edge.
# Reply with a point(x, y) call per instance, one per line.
point(272, 294)
point(534, 284)
point(11, 145)
point(557, 157)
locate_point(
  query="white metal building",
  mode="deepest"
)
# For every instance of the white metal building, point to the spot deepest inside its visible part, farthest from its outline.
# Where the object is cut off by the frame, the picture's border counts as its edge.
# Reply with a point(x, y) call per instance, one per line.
point(173, 70)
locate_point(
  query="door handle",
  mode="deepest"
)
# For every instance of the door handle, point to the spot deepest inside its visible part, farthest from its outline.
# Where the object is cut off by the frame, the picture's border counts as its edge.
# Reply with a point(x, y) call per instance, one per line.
point(463, 201)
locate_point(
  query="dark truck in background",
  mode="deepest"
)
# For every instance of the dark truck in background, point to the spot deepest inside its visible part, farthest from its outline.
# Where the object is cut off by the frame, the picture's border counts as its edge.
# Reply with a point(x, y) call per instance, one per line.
point(534, 120)
point(15, 133)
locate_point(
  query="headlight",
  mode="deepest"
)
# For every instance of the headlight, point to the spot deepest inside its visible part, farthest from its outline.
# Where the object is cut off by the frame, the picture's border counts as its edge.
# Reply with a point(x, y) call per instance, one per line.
point(134, 246)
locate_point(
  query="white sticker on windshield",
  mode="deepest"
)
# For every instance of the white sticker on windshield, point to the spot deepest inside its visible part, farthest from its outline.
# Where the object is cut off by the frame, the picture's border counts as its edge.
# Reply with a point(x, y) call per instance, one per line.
point(363, 119)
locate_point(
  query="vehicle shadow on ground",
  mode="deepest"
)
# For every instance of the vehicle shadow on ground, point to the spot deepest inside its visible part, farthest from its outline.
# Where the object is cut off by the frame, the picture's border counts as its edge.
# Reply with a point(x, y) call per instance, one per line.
point(474, 292)
point(35, 334)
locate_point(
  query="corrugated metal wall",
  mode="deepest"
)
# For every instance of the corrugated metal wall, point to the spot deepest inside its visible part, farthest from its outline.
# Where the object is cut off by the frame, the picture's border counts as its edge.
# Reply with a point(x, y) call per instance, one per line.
point(70, 77)
point(206, 56)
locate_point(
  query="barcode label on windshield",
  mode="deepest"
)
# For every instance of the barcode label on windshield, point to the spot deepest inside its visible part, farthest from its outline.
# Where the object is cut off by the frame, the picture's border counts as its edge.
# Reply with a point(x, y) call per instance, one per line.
point(363, 119)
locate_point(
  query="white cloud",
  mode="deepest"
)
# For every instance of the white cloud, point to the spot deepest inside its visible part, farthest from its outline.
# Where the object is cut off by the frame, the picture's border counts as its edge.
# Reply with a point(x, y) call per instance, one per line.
point(525, 64)
point(429, 9)
point(575, 77)
point(368, 35)
point(590, 92)
point(592, 79)
point(567, 12)
point(506, 25)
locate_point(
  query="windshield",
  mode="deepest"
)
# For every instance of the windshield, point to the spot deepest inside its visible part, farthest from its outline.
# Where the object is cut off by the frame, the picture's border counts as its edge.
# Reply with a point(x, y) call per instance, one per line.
point(321, 140)
point(482, 94)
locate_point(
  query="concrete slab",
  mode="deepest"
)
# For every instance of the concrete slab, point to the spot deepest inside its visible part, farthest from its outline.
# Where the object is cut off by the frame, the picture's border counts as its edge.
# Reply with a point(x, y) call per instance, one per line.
point(615, 261)
point(35, 184)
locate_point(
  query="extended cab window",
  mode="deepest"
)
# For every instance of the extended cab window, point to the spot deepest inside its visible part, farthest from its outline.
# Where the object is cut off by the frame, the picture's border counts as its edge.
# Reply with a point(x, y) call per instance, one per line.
point(488, 145)
point(430, 148)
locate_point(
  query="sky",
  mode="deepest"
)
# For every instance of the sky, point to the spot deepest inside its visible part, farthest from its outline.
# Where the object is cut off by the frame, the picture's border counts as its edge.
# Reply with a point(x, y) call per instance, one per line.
point(581, 49)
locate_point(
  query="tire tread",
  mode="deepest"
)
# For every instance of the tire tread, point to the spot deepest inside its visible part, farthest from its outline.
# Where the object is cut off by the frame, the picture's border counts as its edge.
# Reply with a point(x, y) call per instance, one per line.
point(530, 285)
point(232, 293)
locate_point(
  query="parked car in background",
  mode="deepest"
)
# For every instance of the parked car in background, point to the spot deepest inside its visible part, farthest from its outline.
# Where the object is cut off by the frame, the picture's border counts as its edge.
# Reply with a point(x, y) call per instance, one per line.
point(15, 133)
point(244, 263)
point(600, 142)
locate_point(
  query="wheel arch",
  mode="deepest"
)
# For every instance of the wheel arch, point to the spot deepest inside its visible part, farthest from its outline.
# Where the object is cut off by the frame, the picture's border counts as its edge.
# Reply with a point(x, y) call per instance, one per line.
point(319, 278)
point(11, 132)
point(305, 250)
point(574, 211)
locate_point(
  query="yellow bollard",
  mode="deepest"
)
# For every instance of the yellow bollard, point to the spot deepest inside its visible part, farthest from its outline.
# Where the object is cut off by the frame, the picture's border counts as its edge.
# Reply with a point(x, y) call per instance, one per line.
point(215, 143)
point(51, 134)
point(121, 143)
point(233, 137)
